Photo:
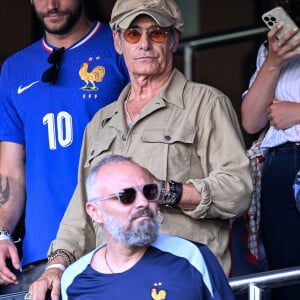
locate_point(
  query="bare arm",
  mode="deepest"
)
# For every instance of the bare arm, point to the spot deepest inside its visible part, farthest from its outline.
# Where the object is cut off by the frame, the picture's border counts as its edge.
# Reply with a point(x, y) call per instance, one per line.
point(12, 202)
point(255, 107)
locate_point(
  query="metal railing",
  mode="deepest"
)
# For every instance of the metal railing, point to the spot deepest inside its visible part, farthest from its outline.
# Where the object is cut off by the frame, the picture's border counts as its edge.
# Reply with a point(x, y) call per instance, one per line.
point(257, 284)
point(188, 47)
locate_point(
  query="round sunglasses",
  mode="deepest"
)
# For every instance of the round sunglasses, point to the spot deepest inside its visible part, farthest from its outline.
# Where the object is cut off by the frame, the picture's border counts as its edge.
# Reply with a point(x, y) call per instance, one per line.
point(127, 196)
point(156, 34)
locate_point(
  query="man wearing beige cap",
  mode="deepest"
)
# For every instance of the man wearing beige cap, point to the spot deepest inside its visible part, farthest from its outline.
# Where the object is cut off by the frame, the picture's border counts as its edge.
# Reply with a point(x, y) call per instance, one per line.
point(185, 133)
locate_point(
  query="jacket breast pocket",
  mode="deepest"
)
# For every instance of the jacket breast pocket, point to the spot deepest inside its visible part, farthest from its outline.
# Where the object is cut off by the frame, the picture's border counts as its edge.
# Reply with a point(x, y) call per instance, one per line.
point(99, 149)
point(172, 149)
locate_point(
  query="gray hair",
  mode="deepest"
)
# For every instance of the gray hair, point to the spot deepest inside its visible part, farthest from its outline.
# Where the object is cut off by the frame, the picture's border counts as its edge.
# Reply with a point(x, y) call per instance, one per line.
point(109, 159)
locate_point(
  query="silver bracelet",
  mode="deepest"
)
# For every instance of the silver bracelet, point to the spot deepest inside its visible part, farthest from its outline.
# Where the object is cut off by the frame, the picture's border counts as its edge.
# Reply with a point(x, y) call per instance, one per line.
point(5, 235)
point(62, 253)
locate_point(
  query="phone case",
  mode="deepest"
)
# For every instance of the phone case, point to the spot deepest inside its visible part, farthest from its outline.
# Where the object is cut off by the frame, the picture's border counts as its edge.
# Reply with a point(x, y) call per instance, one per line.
point(278, 15)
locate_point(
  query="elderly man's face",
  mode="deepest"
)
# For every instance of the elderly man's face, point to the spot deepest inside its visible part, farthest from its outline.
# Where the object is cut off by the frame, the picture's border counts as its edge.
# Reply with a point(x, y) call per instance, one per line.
point(135, 224)
point(147, 57)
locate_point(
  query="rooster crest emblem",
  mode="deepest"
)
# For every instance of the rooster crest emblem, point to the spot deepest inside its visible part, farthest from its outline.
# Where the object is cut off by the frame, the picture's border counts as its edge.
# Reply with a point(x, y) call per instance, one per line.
point(158, 295)
point(96, 75)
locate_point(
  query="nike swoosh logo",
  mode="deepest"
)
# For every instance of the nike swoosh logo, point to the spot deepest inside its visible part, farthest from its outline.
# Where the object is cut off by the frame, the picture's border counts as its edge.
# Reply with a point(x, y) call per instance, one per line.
point(26, 87)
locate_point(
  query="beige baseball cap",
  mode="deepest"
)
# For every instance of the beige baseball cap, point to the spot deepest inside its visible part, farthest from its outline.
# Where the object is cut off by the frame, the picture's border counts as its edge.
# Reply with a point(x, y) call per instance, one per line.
point(165, 12)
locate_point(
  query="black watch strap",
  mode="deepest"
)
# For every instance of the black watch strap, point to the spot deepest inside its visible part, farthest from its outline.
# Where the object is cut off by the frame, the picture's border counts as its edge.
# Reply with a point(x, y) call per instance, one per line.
point(173, 197)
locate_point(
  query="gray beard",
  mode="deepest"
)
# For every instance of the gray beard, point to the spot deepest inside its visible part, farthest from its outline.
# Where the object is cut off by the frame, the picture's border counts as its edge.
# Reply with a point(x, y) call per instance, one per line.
point(143, 234)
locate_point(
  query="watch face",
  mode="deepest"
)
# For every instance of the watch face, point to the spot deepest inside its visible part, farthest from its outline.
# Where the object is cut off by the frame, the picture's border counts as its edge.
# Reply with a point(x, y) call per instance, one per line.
point(171, 199)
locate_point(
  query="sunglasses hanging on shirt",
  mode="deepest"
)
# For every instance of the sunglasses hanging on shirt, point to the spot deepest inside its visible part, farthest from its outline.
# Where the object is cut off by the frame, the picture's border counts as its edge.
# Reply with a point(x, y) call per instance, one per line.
point(51, 74)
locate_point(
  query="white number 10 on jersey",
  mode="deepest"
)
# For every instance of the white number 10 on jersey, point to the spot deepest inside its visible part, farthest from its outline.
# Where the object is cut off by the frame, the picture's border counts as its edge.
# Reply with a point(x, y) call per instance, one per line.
point(60, 129)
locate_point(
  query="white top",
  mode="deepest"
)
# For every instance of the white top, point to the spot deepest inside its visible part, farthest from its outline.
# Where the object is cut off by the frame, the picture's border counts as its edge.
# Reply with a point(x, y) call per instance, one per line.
point(288, 89)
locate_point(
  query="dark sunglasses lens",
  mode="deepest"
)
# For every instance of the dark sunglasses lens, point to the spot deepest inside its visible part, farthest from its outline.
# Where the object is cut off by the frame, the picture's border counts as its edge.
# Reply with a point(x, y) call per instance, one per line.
point(151, 192)
point(127, 196)
point(50, 75)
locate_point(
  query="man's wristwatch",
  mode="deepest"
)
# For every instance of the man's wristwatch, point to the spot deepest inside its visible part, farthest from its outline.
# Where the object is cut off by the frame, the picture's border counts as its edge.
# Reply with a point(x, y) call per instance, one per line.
point(173, 197)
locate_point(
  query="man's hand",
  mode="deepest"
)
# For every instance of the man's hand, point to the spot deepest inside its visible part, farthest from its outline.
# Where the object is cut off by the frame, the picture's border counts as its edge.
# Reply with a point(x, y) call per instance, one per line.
point(49, 280)
point(8, 250)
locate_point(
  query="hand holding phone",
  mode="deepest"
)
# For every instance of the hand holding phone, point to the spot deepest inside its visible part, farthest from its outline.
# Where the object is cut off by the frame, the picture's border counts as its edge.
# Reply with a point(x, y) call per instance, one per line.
point(277, 16)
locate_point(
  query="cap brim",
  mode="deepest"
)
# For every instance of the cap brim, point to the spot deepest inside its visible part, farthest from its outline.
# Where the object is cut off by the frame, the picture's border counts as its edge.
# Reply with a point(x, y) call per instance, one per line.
point(158, 18)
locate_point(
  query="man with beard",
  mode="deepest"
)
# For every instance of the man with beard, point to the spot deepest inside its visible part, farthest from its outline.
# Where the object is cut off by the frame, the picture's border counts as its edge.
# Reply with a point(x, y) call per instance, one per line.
point(48, 93)
point(135, 262)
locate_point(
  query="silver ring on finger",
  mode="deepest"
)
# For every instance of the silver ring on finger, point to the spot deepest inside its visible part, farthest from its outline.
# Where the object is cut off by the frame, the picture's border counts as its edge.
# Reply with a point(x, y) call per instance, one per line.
point(279, 44)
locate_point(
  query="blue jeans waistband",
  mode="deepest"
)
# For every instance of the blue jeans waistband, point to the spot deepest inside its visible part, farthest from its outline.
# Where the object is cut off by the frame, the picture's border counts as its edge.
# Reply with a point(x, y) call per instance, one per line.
point(287, 145)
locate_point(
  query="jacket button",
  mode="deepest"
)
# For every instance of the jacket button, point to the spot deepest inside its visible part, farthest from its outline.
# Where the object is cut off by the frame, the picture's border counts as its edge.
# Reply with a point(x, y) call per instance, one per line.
point(92, 152)
point(124, 137)
point(167, 138)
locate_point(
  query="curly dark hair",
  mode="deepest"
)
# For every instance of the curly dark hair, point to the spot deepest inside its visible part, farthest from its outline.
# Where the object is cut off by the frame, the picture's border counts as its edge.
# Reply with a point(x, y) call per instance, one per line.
point(292, 7)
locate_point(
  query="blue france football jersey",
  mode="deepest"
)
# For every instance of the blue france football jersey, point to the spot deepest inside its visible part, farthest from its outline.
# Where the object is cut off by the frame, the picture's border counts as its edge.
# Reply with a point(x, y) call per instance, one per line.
point(49, 120)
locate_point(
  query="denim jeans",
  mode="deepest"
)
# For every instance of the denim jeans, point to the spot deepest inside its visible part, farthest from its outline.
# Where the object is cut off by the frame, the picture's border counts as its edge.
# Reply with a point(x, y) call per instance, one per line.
point(279, 215)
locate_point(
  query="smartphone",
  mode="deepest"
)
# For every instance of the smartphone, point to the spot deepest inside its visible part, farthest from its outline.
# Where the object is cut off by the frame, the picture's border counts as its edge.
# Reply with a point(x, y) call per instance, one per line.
point(278, 15)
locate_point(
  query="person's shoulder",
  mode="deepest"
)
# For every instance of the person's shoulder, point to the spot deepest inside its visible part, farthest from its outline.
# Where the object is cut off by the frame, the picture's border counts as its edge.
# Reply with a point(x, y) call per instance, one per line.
point(108, 111)
point(105, 113)
point(25, 54)
point(198, 254)
point(202, 259)
point(75, 269)
point(178, 80)
point(103, 29)
point(104, 26)
point(192, 89)
point(180, 247)
point(205, 89)
point(172, 239)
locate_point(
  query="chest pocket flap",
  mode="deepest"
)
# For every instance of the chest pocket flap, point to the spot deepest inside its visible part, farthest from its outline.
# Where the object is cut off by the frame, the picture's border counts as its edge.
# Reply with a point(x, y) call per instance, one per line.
point(169, 135)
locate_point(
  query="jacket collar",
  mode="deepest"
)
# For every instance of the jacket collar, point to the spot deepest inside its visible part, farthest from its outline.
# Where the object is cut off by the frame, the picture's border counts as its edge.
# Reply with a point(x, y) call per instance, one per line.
point(168, 94)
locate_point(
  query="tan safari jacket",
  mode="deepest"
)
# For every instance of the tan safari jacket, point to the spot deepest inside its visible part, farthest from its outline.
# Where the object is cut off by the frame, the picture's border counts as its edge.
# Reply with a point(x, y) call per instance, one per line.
point(188, 133)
